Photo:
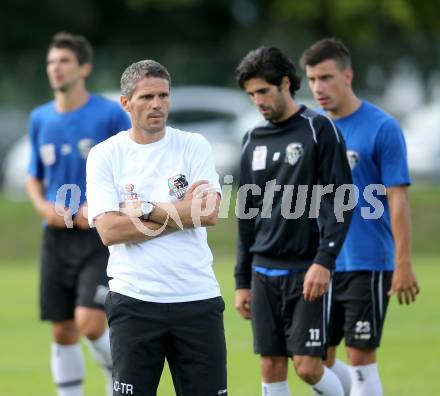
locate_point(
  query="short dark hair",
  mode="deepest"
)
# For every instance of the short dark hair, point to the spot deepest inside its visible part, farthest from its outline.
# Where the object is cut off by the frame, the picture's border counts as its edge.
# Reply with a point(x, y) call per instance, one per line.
point(325, 49)
point(79, 45)
point(138, 71)
point(270, 64)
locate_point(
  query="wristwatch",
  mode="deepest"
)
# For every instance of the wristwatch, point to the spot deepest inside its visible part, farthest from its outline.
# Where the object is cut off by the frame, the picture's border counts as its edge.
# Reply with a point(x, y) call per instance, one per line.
point(146, 210)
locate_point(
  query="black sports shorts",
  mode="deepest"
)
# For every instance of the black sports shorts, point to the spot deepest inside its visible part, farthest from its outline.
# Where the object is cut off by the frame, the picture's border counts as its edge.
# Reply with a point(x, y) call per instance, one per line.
point(190, 335)
point(359, 301)
point(73, 272)
point(283, 323)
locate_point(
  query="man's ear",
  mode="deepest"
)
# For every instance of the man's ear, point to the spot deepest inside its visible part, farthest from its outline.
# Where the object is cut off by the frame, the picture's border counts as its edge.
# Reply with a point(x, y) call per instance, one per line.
point(86, 69)
point(125, 103)
point(348, 75)
point(285, 83)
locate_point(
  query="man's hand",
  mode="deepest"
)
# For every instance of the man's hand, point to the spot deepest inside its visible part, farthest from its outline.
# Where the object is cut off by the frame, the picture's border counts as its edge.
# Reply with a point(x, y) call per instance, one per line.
point(404, 284)
point(53, 217)
point(131, 208)
point(199, 207)
point(80, 220)
point(243, 302)
point(199, 193)
point(203, 200)
point(316, 282)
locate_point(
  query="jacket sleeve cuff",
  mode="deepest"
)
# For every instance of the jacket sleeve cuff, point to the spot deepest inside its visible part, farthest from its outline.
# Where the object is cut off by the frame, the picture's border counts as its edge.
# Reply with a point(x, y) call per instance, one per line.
point(326, 260)
point(243, 281)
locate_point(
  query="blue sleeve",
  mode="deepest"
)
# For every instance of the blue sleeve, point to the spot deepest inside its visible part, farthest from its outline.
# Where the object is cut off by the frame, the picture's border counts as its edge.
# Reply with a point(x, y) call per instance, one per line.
point(120, 121)
point(390, 152)
point(36, 168)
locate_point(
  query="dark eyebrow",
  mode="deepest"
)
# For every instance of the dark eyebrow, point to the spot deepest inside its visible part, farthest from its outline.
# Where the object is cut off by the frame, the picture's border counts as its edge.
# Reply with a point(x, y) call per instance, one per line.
point(324, 76)
point(260, 90)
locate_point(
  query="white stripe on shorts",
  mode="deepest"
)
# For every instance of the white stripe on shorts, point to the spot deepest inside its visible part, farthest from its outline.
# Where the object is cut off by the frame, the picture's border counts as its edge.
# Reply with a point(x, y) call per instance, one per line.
point(380, 293)
point(374, 303)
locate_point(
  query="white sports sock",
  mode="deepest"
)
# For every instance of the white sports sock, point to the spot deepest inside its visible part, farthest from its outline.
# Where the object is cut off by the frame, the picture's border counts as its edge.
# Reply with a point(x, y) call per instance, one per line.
point(276, 389)
point(343, 374)
point(328, 385)
point(67, 365)
point(100, 349)
point(365, 380)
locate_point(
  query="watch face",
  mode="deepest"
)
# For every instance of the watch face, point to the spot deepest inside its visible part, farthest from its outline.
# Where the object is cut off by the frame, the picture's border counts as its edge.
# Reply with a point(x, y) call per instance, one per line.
point(147, 208)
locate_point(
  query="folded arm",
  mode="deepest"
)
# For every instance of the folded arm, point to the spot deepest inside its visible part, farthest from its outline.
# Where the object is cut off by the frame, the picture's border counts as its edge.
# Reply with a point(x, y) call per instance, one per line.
point(114, 227)
point(199, 208)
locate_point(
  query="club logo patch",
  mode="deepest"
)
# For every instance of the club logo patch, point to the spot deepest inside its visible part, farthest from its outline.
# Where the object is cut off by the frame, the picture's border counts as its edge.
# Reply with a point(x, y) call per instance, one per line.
point(130, 195)
point(178, 186)
point(47, 153)
point(84, 147)
point(294, 151)
point(353, 158)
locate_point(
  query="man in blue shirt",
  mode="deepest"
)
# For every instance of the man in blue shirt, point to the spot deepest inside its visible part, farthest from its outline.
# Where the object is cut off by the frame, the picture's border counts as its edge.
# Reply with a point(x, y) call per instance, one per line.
point(375, 260)
point(73, 260)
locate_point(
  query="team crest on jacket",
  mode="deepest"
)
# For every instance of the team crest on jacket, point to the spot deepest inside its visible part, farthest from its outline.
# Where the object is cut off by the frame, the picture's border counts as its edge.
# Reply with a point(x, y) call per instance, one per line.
point(84, 147)
point(294, 152)
point(178, 186)
point(353, 158)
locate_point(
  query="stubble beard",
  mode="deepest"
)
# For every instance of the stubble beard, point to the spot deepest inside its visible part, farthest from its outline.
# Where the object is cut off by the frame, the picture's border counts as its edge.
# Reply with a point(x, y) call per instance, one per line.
point(63, 88)
point(276, 113)
point(155, 129)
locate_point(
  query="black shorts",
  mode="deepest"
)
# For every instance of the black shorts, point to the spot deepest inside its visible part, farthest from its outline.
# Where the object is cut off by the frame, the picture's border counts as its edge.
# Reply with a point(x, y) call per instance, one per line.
point(283, 323)
point(359, 301)
point(73, 272)
point(190, 335)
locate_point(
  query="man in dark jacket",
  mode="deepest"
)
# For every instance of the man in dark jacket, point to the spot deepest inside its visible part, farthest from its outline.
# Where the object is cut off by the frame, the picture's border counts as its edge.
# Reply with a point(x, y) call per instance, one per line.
point(293, 183)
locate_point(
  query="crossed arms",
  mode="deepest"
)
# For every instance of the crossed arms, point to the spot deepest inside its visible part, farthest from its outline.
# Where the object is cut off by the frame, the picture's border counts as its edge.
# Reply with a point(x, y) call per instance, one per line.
point(199, 208)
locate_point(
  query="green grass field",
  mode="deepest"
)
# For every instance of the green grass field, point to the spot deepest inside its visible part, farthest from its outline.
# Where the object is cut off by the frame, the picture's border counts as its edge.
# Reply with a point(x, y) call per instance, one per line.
point(408, 360)
point(411, 342)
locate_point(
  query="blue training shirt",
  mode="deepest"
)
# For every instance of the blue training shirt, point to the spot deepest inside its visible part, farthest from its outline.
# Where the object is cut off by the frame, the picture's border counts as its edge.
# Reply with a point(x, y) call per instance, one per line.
point(61, 142)
point(377, 154)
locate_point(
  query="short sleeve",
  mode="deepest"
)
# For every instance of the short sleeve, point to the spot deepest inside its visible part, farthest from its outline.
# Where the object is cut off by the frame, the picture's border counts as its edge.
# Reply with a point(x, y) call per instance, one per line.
point(202, 162)
point(390, 153)
point(35, 168)
point(102, 195)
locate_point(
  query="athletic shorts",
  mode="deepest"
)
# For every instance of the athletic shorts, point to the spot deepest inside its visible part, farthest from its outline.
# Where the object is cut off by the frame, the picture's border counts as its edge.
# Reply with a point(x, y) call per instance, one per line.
point(73, 272)
point(189, 335)
point(359, 301)
point(283, 323)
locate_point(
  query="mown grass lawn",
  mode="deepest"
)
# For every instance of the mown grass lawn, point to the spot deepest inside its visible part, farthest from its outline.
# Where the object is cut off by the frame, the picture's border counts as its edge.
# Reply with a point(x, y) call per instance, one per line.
point(408, 359)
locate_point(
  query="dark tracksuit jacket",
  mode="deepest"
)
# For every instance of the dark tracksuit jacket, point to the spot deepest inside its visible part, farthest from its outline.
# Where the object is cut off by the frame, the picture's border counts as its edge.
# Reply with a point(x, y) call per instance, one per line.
point(279, 162)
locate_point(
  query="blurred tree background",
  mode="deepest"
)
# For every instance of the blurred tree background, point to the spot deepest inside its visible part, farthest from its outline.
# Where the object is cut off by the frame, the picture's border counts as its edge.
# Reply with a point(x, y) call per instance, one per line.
point(201, 41)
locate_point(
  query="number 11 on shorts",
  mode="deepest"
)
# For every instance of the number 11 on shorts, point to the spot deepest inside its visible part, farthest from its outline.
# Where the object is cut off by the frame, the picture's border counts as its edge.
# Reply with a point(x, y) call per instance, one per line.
point(314, 334)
